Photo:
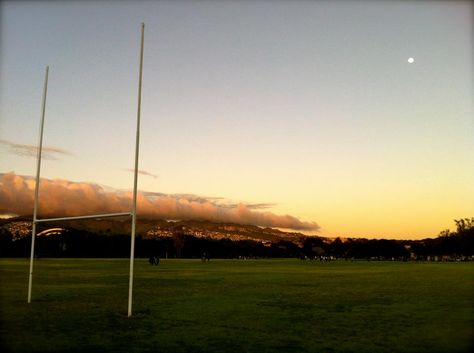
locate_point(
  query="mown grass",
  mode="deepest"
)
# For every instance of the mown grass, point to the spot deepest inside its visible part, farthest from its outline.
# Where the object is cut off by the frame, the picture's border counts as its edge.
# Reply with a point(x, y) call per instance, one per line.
point(79, 305)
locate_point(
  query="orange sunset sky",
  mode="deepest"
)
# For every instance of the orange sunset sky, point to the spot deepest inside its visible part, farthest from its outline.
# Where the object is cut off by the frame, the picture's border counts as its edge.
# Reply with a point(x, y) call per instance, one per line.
point(301, 115)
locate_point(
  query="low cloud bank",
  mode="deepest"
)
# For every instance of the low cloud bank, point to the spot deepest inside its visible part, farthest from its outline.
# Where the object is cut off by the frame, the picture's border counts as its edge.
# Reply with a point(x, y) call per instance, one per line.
point(65, 198)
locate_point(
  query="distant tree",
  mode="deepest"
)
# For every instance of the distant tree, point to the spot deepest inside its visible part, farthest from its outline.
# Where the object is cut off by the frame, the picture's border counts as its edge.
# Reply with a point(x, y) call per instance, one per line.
point(454, 243)
point(444, 233)
point(465, 235)
point(420, 248)
point(464, 225)
point(178, 243)
point(6, 239)
point(310, 243)
point(337, 248)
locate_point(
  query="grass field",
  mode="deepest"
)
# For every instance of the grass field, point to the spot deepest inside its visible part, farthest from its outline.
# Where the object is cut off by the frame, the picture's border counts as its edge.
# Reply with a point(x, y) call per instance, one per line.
point(79, 305)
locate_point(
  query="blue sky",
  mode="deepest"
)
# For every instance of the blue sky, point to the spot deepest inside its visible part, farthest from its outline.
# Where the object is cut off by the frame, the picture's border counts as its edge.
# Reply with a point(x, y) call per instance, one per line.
point(307, 105)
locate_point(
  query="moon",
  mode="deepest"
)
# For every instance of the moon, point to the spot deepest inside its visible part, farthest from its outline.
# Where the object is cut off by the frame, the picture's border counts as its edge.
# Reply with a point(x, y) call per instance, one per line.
point(411, 60)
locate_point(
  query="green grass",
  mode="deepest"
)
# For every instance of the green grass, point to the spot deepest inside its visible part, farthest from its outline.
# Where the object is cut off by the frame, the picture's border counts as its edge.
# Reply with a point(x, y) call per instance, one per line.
point(79, 305)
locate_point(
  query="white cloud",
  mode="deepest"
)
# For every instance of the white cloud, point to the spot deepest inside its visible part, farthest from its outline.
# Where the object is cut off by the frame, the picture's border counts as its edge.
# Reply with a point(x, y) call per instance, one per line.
point(66, 198)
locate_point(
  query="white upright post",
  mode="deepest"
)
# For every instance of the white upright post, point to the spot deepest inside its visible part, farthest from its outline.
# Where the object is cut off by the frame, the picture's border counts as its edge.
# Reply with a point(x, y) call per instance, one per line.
point(38, 168)
point(135, 180)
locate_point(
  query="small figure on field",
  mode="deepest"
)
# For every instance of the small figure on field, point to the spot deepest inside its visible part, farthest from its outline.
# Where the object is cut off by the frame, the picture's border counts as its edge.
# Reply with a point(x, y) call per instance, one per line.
point(154, 260)
point(205, 257)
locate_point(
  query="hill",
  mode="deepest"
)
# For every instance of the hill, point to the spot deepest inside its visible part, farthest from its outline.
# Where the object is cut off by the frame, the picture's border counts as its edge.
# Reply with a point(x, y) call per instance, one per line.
point(20, 227)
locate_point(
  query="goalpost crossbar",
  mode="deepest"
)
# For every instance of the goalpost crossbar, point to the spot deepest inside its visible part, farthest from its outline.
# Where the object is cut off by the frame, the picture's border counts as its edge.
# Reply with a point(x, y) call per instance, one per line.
point(93, 216)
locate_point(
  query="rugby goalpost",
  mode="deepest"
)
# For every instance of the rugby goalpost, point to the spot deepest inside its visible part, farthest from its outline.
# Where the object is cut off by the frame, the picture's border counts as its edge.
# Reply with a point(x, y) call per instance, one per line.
point(133, 212)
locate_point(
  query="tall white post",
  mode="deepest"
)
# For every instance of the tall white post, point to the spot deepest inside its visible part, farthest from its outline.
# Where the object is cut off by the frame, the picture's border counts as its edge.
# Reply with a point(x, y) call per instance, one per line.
point(38, 168)
point(135, 180)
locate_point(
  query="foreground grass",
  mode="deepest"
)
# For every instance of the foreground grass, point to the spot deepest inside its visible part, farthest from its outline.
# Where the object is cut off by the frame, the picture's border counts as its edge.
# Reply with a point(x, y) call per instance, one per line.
point(79, 305)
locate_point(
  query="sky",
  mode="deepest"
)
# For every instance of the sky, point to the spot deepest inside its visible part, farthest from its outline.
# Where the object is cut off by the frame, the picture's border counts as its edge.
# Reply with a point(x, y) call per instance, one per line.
point(304, 110)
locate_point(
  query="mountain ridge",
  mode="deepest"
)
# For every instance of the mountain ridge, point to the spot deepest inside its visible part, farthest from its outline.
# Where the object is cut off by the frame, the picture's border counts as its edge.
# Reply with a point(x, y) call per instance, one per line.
point(149, 229)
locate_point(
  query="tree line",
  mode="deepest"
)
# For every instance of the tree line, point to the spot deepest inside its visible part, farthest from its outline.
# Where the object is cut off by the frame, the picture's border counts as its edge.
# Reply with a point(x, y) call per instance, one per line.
point(78, 243)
